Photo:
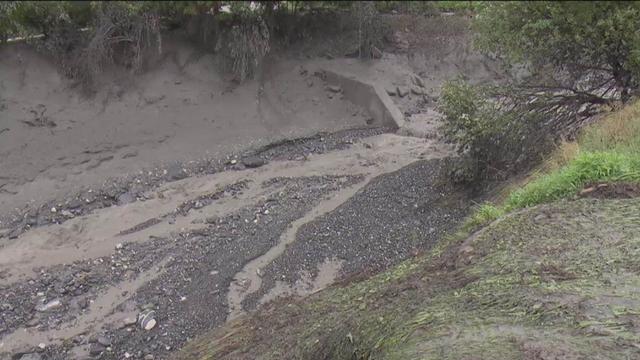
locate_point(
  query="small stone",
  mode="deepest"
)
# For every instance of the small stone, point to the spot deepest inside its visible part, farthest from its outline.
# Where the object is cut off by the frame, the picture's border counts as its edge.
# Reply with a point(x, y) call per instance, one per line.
point(83, 303)
point(417, 80)
point(150, 324)
point(233, 161)
point(126, 198)
point(253, 162)
point(104, 341)
point(587, 191)
point(32, 356)
point(15, 233)
point(259, 272)
point(175, 172)
point(402, 92)
point(148, 357)
point(51, 305)
point(54, 210)
point(127, 355)
point(119, 246)
point(391, 92)
point(129, 321)
point(96, 349)
point(67, 213)
point(42, 346)
point(334, 88)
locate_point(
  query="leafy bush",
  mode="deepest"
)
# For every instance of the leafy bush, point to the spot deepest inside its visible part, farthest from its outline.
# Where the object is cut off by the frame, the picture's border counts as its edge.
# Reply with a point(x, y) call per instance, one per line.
point(606, 151)
point(492, 139)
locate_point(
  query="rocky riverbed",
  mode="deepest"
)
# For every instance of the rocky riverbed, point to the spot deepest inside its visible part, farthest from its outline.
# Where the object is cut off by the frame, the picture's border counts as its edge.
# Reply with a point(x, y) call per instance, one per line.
point(142, 271)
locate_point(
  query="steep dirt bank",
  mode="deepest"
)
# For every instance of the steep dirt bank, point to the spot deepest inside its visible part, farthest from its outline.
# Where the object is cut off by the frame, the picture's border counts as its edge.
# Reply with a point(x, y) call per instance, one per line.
point(558, 281)
point(54, 141)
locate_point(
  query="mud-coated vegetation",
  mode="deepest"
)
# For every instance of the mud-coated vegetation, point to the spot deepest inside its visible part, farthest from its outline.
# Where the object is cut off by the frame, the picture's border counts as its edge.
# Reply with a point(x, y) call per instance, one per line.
point(574, 59)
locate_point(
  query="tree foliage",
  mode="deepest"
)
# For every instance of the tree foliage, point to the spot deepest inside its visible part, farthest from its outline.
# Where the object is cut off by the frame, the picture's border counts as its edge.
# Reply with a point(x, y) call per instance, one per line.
point(587, 49)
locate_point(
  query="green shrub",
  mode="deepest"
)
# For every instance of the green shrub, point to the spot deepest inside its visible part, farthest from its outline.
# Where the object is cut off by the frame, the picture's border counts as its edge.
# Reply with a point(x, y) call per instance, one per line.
point(492, 140)
point(484, 214)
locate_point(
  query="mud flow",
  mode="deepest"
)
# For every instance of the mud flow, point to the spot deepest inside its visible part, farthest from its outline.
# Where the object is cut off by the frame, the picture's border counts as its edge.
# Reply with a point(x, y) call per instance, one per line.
point(174, 200)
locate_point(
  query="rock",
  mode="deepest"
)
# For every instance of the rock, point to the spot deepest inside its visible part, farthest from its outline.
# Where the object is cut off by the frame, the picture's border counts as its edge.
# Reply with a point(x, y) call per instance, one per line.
point(334, 88)
point(96, 349)
point(54, 210)
point(31, 356)
point(417, 80)
point(15, 233)
point(391, 92)
point(376, 53)
point(150, 324)
point(75, 203)
point(81, 304)
point(416, 90)
point(253, 162)
point(238, 167)
point(119, 246)
point(129, 321)
point(51, 305)
point(233, 161)
point(587, 191)
point(175, 172)
point(67, 213)
point(402, 92)
point(126, 198)
point(211, 220)
point(104, 341)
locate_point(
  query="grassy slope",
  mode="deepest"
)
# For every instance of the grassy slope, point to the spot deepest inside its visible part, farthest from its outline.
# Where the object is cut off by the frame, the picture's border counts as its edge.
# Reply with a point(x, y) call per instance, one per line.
point(555, 281)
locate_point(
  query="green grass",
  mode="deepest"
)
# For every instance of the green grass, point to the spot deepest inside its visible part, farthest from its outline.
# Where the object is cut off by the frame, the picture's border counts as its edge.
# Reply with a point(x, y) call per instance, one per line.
point(607, 151)
point(587, 167)
point(484, 214)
